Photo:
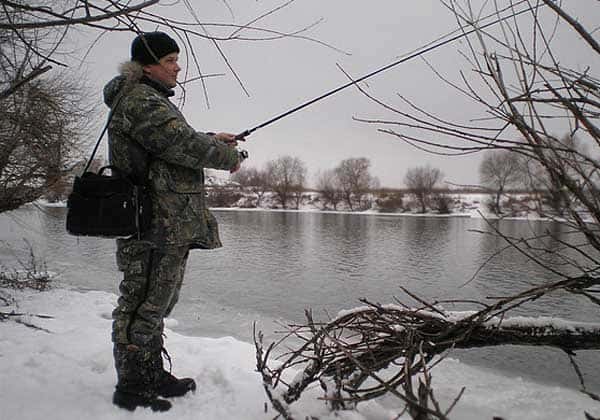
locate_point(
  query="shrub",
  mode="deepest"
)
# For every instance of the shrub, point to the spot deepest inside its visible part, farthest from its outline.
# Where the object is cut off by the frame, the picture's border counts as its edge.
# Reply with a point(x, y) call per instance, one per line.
point(23, 279)
point(389, 202)
point(442, 203)
point(32, 274)
point(222, 197)
point(491, 206)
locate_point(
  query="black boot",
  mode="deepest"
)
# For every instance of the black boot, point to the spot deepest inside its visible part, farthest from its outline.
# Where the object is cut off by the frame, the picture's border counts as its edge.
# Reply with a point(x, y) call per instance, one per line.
point(130, 398)
point(135, 387)
point(167, 385)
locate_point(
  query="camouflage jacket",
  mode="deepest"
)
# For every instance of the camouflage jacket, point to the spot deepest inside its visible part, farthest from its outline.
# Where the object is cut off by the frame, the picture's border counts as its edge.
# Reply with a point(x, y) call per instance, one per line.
point(150, 140)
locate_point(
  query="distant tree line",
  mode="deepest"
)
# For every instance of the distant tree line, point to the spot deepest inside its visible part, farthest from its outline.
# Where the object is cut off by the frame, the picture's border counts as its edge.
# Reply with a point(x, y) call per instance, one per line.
point(349, 185)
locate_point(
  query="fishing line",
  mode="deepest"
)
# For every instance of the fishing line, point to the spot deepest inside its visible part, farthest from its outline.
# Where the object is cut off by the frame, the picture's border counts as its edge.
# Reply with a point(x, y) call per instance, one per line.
point(419, 52)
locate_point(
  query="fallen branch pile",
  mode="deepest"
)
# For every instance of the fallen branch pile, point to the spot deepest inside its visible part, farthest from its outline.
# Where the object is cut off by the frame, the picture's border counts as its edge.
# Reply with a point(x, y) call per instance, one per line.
point(378, 349)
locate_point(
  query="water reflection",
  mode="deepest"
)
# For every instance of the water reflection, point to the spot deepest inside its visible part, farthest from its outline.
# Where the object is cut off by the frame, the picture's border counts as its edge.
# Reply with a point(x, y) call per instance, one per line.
point(510, 272)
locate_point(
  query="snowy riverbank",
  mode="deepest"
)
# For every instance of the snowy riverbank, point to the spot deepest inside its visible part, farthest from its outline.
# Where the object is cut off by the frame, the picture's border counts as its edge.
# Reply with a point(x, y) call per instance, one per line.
point(516, 207)
point(62, 369)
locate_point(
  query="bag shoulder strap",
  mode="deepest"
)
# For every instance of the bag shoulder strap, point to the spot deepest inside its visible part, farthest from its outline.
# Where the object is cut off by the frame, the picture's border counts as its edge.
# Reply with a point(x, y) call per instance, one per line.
point(110, 116)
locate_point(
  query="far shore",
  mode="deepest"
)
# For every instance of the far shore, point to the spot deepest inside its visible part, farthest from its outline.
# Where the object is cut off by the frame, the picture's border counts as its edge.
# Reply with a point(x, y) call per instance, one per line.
point(467, 205)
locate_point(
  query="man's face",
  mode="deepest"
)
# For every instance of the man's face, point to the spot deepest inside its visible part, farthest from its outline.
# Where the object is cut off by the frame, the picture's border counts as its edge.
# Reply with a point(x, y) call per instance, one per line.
point(165, 71)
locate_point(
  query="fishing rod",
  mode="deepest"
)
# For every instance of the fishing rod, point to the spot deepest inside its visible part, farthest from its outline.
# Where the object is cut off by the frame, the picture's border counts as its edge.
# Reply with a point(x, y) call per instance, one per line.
point(246, 133)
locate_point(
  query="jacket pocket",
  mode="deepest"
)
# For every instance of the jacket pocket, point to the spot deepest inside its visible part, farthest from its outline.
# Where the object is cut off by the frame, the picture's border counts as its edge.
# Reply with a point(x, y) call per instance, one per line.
point(177, 179)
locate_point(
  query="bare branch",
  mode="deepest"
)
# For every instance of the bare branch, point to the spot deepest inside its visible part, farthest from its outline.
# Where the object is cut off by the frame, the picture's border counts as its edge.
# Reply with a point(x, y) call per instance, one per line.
point(65, 21)
point(16, 85)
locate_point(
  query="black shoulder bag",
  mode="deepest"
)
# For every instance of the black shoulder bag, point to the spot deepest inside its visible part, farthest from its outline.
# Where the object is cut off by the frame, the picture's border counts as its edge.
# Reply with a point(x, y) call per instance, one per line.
point(108, 206)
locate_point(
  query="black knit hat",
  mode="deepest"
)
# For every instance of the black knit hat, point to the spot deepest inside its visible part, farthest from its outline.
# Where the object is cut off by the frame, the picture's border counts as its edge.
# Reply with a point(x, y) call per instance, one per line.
point(160, 45)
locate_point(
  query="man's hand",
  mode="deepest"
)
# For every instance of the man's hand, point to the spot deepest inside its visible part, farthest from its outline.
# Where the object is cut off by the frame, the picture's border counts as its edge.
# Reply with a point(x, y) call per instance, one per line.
point(227, 138)
point(232, 140)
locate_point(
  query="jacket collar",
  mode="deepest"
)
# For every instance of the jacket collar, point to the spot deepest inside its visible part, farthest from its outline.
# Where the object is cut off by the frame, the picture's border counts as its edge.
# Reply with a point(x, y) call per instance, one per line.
point(161, 88)
point(133, 73)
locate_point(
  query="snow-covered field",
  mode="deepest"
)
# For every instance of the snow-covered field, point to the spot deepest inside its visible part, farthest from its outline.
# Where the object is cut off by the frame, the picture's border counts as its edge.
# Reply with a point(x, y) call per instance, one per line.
point(63, 370)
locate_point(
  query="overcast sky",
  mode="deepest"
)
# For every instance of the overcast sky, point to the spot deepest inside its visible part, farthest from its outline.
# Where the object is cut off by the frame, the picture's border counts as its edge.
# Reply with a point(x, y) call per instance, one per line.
point(283, 73)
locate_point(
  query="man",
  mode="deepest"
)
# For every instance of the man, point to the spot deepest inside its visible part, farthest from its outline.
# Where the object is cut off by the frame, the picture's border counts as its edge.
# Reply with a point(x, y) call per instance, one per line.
point(150, 140)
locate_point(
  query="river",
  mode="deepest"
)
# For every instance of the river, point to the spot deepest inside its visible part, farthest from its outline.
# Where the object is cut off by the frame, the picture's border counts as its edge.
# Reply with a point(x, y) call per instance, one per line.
point(276, 264)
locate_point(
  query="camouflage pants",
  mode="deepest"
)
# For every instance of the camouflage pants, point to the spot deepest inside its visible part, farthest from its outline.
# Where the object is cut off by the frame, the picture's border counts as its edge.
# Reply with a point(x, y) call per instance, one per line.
point(150, 289)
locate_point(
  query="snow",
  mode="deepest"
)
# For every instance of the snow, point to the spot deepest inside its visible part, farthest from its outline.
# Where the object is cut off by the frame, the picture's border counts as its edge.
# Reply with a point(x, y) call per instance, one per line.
point(46, 203)
point(64, 370)
point(539, 322)
point(544, 322)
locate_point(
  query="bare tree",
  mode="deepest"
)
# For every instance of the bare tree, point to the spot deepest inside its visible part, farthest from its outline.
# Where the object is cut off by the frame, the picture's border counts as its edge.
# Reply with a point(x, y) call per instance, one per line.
point(498, 171)
point(552, 196)
point(421, 181)
point(253, 179)
point(329, 189)
point(286, 176)
point(526, 87)
point(529, 89)
point(355, 181)
point(42, 131)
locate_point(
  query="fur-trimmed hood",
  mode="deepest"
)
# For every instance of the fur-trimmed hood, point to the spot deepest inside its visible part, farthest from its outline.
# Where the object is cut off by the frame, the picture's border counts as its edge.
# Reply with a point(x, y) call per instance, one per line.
point(130, 73)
